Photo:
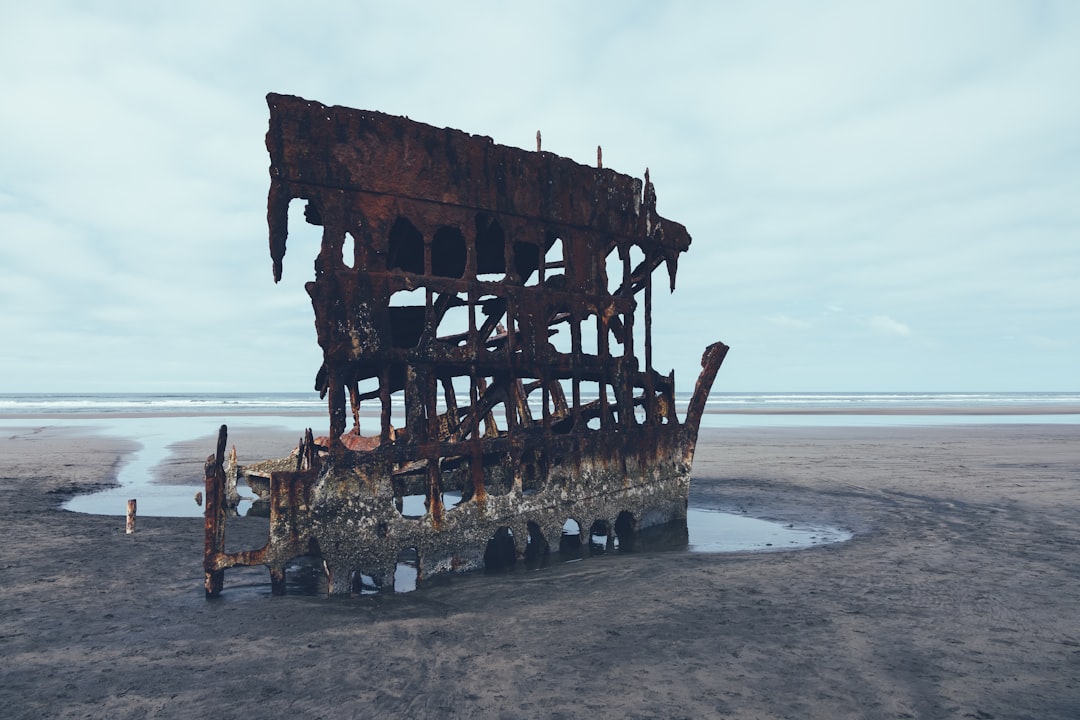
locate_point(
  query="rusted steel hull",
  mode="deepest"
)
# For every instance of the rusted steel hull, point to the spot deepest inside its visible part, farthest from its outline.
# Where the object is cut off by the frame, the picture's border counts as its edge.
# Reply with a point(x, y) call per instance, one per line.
point(489, 308)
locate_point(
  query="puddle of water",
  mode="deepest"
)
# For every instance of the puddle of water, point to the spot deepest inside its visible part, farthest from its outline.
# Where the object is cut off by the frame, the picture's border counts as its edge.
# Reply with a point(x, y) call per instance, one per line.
point(714, 531)
point(153, 500)
point(136, 473)
point(136, 481)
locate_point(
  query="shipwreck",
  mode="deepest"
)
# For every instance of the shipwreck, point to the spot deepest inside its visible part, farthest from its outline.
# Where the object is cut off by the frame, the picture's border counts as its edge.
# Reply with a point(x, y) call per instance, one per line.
point(494, 305)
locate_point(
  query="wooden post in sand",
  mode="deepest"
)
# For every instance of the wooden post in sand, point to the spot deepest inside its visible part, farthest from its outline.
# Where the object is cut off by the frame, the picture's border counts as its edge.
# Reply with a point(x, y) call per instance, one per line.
point(130, 517)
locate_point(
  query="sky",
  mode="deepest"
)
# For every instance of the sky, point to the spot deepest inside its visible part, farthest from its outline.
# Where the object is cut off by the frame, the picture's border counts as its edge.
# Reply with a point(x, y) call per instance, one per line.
point(882, 196)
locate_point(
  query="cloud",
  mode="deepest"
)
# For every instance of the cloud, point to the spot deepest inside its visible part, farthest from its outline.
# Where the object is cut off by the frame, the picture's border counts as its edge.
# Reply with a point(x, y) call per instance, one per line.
point(885, 325)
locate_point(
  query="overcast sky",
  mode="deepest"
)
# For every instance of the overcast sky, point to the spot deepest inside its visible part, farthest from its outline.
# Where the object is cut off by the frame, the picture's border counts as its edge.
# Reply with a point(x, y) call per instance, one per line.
point(882, 196)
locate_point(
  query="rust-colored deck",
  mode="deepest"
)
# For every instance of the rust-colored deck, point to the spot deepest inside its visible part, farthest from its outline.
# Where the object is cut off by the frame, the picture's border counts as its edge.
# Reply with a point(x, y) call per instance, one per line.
point(495, 304)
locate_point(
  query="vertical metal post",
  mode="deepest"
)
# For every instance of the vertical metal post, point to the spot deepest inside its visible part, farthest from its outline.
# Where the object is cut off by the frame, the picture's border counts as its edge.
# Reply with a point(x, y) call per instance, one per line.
point(214, 517)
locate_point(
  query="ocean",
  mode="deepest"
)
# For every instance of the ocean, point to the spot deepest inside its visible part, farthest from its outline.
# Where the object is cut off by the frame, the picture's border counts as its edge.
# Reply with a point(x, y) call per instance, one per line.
point(158, 420)
point(751, 409)
point(718, 402)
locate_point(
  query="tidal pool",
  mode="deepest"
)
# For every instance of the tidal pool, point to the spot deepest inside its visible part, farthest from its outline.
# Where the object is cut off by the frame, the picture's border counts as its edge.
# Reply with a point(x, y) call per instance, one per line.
point(714, 531)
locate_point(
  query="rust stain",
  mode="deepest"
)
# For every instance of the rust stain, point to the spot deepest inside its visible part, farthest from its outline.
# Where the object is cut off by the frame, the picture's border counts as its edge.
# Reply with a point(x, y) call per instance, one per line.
point(495, 305)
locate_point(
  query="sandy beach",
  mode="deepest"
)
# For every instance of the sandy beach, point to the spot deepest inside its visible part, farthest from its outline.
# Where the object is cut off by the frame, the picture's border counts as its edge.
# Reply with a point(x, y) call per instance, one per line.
point(956, 598)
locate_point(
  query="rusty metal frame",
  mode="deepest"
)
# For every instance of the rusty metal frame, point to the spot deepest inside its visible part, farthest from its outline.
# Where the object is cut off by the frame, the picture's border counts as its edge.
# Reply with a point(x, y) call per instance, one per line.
point(502, 252)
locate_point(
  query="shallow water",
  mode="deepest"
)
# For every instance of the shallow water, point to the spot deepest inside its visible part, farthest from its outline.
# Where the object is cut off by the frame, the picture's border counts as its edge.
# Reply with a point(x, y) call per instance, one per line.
point(715, 531)
point(136, 474)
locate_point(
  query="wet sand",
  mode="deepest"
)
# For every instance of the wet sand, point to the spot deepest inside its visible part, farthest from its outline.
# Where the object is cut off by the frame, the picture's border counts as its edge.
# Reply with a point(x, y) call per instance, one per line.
point(959, 596)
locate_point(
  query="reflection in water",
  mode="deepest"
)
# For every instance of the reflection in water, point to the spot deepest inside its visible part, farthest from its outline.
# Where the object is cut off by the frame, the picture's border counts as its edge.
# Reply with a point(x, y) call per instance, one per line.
point(703, 531)
point(706, 531)
point(306, 575)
